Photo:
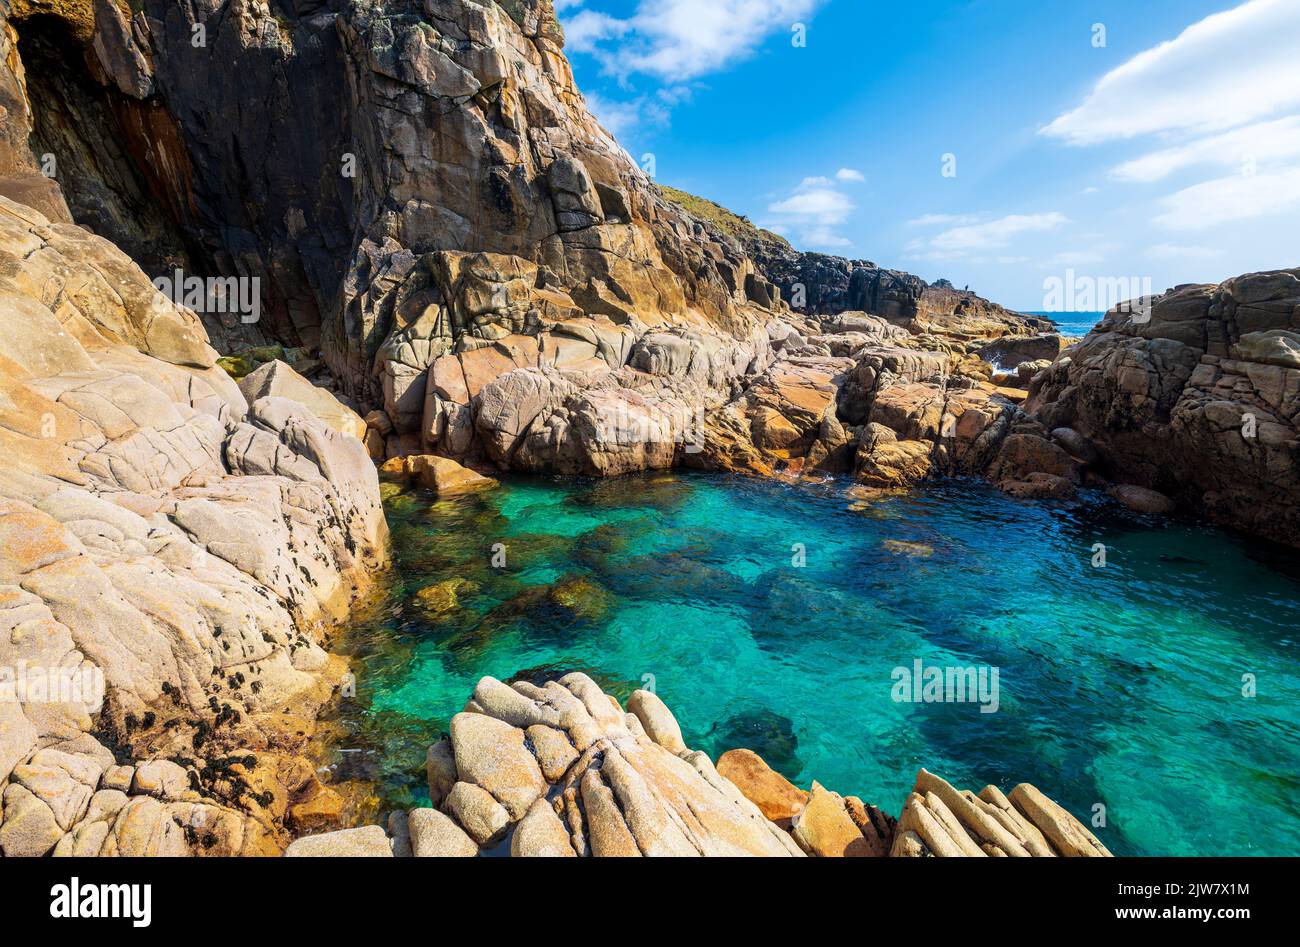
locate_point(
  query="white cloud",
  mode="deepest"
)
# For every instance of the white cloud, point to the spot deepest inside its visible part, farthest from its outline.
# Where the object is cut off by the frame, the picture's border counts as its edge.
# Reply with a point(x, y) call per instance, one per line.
point(682, 39)
point(1241, 147)
point(812, 213)
point(941, 220)
point(1072, 258)
point(622, 118)
point(588, 28)
point(1226, 70)
point(1225, 200)
point(850, 175)
point(967, 238)
point(826, 205)
point(995, 233)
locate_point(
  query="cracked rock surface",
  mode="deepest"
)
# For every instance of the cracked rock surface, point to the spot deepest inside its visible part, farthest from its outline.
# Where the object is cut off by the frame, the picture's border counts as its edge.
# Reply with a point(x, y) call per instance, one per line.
point(562, 770)
point(178, 549)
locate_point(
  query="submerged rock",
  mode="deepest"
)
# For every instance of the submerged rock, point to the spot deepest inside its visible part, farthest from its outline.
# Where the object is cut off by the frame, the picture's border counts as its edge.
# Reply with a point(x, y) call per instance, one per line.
point(766, 732)
point(574, 598)
point(443, 597)
point(663, 493)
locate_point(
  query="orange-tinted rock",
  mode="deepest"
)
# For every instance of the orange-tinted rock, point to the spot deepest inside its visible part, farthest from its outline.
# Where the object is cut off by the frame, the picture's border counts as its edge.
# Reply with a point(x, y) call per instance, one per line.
point(824, 828)
point(776, 797)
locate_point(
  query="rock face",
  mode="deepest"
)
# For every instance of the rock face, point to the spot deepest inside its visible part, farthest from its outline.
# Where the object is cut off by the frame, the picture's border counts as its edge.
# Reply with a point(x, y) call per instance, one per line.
point(562, 771)
point(168, 556)
point(275, 379)
point(426, 201)
point(832, 285)
point(1200, 402)
point(421, 179)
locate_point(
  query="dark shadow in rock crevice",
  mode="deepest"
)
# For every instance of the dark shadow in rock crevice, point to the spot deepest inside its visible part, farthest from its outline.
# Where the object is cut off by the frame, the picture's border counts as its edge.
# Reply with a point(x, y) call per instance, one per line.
point(108, 151)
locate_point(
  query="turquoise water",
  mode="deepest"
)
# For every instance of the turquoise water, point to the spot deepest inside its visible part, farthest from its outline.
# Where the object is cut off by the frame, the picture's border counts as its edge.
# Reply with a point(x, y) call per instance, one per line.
point(1119, 686)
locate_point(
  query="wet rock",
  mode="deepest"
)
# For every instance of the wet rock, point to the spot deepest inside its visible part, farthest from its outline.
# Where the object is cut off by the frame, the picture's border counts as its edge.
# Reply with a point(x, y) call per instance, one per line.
point(671, 578)
point(1142, 500)
point(1076, 445)
point(906, 548)
point(442, 597)
point(1039, 486)
point(318, 807)
point(442, 475)
point(573, 599)
point(883, 461)
point(662, 493)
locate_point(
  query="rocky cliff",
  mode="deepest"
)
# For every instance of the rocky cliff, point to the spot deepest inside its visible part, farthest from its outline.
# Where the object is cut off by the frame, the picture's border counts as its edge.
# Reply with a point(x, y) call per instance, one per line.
point(832, 285)
point(170, 561)
point(408, 180)
point(1199, 400)
point(817, 284)
point(425, 201)
point(427, 206)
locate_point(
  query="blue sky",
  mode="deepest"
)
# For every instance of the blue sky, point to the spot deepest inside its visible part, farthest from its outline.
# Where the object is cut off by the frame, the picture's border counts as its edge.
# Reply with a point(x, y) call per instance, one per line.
point(1167, 148)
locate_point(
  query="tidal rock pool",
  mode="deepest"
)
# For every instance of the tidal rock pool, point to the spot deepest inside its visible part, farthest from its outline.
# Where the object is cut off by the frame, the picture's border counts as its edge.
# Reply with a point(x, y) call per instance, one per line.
point(776, 617)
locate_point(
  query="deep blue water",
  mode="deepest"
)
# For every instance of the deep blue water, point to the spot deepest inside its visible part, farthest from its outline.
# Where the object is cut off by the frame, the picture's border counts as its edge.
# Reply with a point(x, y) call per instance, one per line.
point(1073, 325)
point(1119, 686)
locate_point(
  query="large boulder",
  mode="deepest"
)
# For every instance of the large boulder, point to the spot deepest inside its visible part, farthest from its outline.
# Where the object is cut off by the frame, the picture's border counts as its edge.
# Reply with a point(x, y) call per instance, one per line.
point(776, 797)
point(1196, 398)
point(622, 792)
point(276, 379)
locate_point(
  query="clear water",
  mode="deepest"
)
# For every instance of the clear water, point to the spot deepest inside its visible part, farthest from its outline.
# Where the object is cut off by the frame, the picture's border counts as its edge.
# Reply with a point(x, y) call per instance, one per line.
point(1119, 686)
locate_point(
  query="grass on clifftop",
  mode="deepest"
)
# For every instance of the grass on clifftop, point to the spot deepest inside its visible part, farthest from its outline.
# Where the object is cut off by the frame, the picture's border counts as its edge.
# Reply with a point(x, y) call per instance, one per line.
point(742, 228)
